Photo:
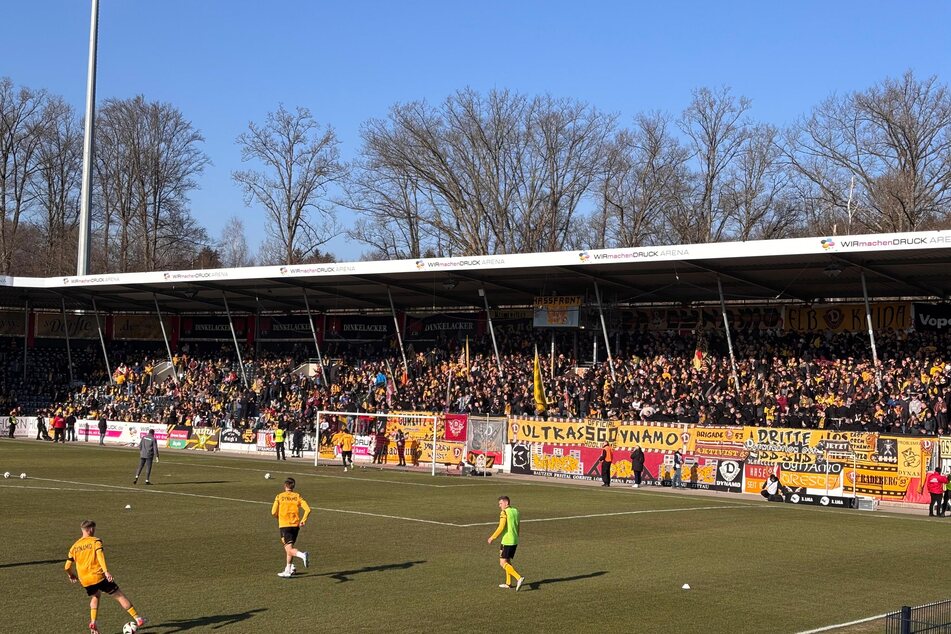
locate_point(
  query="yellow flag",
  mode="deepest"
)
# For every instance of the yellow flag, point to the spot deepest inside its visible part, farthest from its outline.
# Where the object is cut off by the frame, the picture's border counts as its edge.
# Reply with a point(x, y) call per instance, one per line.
point(467, 354)
point(541, 403)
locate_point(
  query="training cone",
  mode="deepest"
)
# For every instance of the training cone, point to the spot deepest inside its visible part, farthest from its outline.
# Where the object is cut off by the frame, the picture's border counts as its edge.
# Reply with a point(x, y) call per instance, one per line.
point(686, 586)
point(128, 506)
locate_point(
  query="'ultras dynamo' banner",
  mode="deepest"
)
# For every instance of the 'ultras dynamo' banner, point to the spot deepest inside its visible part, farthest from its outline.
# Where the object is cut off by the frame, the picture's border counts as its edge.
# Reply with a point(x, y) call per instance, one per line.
point(812, 462)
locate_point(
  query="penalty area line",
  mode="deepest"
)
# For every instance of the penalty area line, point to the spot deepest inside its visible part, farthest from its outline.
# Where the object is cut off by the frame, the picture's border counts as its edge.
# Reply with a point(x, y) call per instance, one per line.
point(829, 628)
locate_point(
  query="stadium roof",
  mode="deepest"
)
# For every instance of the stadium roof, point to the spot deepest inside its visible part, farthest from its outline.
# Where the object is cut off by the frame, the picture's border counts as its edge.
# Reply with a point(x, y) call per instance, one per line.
point(802, 270)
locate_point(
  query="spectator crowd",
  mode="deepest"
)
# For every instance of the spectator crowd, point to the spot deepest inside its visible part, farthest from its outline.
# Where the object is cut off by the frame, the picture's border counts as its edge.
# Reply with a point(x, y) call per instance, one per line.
point(781, 379)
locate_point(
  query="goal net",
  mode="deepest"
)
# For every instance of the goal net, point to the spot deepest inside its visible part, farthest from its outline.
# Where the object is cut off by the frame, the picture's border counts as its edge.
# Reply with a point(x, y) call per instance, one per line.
point(422, 435)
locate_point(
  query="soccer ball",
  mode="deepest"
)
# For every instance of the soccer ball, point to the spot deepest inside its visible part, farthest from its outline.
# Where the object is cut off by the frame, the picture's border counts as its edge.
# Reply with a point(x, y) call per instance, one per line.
point(6, 474)
point(267, 476)
point(130, 628)
point(23, 476)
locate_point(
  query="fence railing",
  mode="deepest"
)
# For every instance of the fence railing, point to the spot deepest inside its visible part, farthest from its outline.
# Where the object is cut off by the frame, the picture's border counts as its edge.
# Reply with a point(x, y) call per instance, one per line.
point(934, 618)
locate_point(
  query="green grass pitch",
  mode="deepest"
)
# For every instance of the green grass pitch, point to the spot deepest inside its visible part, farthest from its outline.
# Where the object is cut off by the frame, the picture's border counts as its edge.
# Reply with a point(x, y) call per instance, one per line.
point(396, 551)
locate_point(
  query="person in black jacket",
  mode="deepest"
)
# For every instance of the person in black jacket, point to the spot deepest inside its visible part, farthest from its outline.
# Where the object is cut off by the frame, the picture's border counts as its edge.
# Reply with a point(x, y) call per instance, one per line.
point(637, 465)
point(607, 457)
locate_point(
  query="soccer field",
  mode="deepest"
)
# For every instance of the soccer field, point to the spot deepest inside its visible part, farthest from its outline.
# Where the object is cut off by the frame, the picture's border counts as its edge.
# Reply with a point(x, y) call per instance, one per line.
point(401, 551)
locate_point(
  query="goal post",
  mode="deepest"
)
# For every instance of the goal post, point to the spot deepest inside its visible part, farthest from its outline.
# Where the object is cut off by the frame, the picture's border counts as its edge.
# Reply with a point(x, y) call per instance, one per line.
point(349, 419)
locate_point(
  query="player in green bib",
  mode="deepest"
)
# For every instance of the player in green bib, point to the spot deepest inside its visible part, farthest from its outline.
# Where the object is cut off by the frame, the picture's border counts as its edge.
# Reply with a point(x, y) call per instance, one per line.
point(508, 529)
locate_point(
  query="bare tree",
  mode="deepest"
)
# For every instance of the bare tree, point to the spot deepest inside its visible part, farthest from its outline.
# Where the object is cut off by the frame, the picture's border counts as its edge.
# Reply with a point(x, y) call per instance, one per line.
point(388, 203)
point(644, 175)
point(716, 127)
point(894, 139)
point(147, 161)
point(757, 196)
point(233, 245)
point(21, 112)
point(499, 173)
point(300, 160)
point(59, 167)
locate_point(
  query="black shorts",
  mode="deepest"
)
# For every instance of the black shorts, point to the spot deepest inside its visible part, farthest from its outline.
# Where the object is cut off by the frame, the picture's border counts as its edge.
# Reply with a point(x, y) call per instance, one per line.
point(289, 534)
point(507, 552)
point(109, 587)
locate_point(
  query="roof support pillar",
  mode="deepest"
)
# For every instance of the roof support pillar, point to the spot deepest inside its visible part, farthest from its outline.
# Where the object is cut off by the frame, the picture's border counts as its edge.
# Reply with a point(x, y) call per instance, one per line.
point(69, 352)
point(488, 316)
point(234, 338)
point(168, 348)
point(729, 338)
point(399, 336)
point(871, 334)
point(313, 331)
point(102, 340)
point(604, 331)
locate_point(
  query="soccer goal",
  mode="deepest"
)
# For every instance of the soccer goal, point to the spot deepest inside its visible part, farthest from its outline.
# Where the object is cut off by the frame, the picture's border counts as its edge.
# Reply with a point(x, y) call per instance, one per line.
point(419, 428)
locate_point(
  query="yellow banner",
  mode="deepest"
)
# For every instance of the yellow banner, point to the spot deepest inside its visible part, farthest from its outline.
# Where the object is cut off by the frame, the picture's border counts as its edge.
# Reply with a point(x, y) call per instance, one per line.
point(910, 459)
point(451, 453)
point(883, 480)
point(848, 317)
point(589, 433)
point(649, 437)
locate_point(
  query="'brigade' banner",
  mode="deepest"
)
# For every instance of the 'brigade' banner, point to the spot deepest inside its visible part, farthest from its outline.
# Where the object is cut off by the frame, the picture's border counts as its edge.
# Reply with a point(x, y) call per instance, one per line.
point(848, 317)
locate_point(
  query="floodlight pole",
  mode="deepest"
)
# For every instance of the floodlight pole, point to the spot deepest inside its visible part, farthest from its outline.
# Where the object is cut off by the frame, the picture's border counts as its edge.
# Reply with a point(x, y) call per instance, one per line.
point(102, 340)
point(604, 331)
point(729, 339)
point(234, 337)
point(69, 352)
point(168, 348)
point(313, 331)
point(399, 336)
point(82, 257)
point(871, 334)
point(488, 316)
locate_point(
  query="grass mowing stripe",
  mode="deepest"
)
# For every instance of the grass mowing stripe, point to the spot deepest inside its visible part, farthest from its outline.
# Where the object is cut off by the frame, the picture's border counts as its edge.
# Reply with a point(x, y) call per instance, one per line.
point(829, 628)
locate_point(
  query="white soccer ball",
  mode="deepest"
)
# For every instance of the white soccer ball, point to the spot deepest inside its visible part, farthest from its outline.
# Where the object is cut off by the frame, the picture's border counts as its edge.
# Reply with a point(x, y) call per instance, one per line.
point(23, 476)
point(130, 628)
point(6, 474)
point(267, 476)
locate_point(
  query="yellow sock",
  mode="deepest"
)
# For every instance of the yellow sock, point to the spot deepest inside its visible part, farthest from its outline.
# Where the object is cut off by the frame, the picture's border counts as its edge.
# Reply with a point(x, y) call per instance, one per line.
point(509, 570)
point(508, 579)
point(92, 614)
point(132, 612)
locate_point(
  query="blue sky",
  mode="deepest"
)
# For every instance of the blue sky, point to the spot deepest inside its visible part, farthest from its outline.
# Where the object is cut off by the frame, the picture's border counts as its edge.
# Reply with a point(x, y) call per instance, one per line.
point(225, 63)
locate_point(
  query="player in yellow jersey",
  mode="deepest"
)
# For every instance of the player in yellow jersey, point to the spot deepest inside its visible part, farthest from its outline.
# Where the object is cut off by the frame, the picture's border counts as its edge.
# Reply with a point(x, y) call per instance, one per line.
point(508, 529)
point(346, 448)
point(94, 575)
point(285, 509)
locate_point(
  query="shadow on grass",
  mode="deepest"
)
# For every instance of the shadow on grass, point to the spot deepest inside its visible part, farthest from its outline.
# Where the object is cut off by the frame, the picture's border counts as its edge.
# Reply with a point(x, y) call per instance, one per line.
point(535, 585)
point(344, 575)
point(33, 563)
point(172, 484)
point(212, 622)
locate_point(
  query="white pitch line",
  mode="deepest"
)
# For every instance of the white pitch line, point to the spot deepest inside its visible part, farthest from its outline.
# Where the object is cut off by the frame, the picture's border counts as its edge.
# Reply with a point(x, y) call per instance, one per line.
point(616, 513)
point(315, 475)
point(216, 497)
point(828, 628)
point(23, 486)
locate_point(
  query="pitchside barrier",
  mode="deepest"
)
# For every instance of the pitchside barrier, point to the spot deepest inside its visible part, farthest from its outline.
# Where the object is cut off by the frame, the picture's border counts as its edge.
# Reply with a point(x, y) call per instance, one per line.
point(826, 467)
point(932, 617)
